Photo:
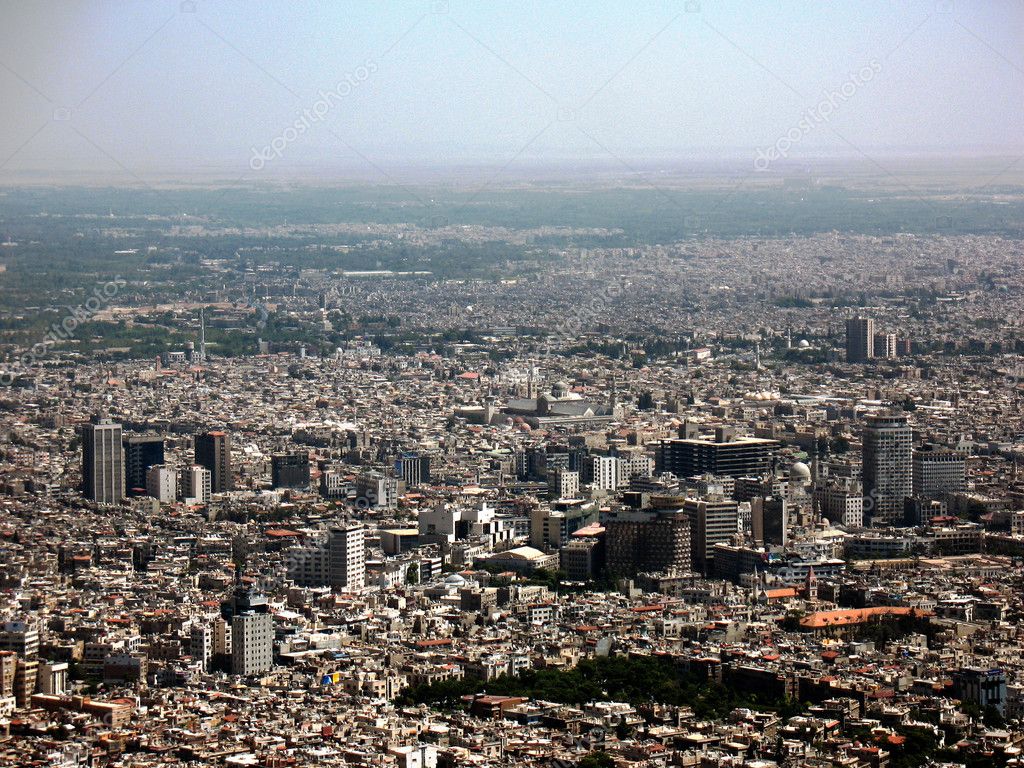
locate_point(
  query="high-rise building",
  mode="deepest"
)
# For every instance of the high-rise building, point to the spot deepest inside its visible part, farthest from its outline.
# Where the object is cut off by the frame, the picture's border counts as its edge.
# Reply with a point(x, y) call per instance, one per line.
point(648, 543)
point(375, 490)
point(563, 484)
point(724, 454)
point(551, 528)
point(201, 644)
point(25, 677)
point(714, 520)
point(938, 470)
point(747, 488)
point(252, 643)
point(161, 483)
point(413, 469)
point(983, 686)
point(53, 677)
point(607, 472)
point(8, 668)
point(221, 638)
point(860, 339)
point(885, 345)
point(347, 556)
point(19, 637)
point(140, 453)
point(888, 443)
point(769, 520)
point(290, 470)
point(102, 462)
point(196, 484)
point(245, 630)
point(213, 451)
point(580, 558)
point(840, 501)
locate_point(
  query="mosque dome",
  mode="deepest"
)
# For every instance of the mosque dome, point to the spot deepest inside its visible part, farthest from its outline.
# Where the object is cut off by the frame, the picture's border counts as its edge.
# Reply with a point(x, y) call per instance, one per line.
point(800, 471)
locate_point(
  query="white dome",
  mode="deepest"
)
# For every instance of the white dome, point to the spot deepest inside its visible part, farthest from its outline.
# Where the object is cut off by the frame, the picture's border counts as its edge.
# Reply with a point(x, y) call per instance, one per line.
point(800, 471)
point(455, 580)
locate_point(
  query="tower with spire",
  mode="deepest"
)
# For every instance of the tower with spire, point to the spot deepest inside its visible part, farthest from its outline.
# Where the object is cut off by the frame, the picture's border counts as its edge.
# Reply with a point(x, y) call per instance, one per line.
point(811, 586)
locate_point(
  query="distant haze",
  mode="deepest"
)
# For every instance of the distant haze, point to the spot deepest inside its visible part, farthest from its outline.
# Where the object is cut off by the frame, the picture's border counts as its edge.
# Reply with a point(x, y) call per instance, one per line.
point(130, 90)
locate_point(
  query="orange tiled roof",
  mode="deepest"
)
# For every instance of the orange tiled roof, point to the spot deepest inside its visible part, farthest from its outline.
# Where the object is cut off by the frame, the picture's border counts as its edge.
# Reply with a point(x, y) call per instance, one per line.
point(851, 616)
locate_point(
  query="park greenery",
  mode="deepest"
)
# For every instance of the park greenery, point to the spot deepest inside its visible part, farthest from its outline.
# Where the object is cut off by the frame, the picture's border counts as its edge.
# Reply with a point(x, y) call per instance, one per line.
point(640, 681)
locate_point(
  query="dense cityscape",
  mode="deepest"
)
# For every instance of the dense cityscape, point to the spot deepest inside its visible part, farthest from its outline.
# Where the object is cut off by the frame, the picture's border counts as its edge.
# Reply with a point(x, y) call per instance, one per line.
point(718, 500)
point(445, 384)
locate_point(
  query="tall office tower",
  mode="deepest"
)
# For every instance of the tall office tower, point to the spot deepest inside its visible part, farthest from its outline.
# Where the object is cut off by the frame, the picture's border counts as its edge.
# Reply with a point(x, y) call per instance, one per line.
point(140, 453)
point(769, 520)
point(251, 631)
point(102, 462)
point(606, 471)
point(723, 455)
point(885, 345)
point(860, 339)
point(712, 521)
point(196, 484)
point(161, 483)
point(888, 442)
point(252, 643)
point(347, 556)
point(290, 470)
point(648, 542)
point(213, 451)
point(938, 470)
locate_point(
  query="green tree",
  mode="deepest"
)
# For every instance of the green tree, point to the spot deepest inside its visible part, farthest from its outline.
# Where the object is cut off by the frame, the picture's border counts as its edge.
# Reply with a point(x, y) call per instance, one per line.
point(598, 759)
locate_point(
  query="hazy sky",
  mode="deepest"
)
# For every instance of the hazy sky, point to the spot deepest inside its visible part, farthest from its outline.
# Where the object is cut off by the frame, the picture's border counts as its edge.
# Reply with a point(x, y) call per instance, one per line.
point(274, 87)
